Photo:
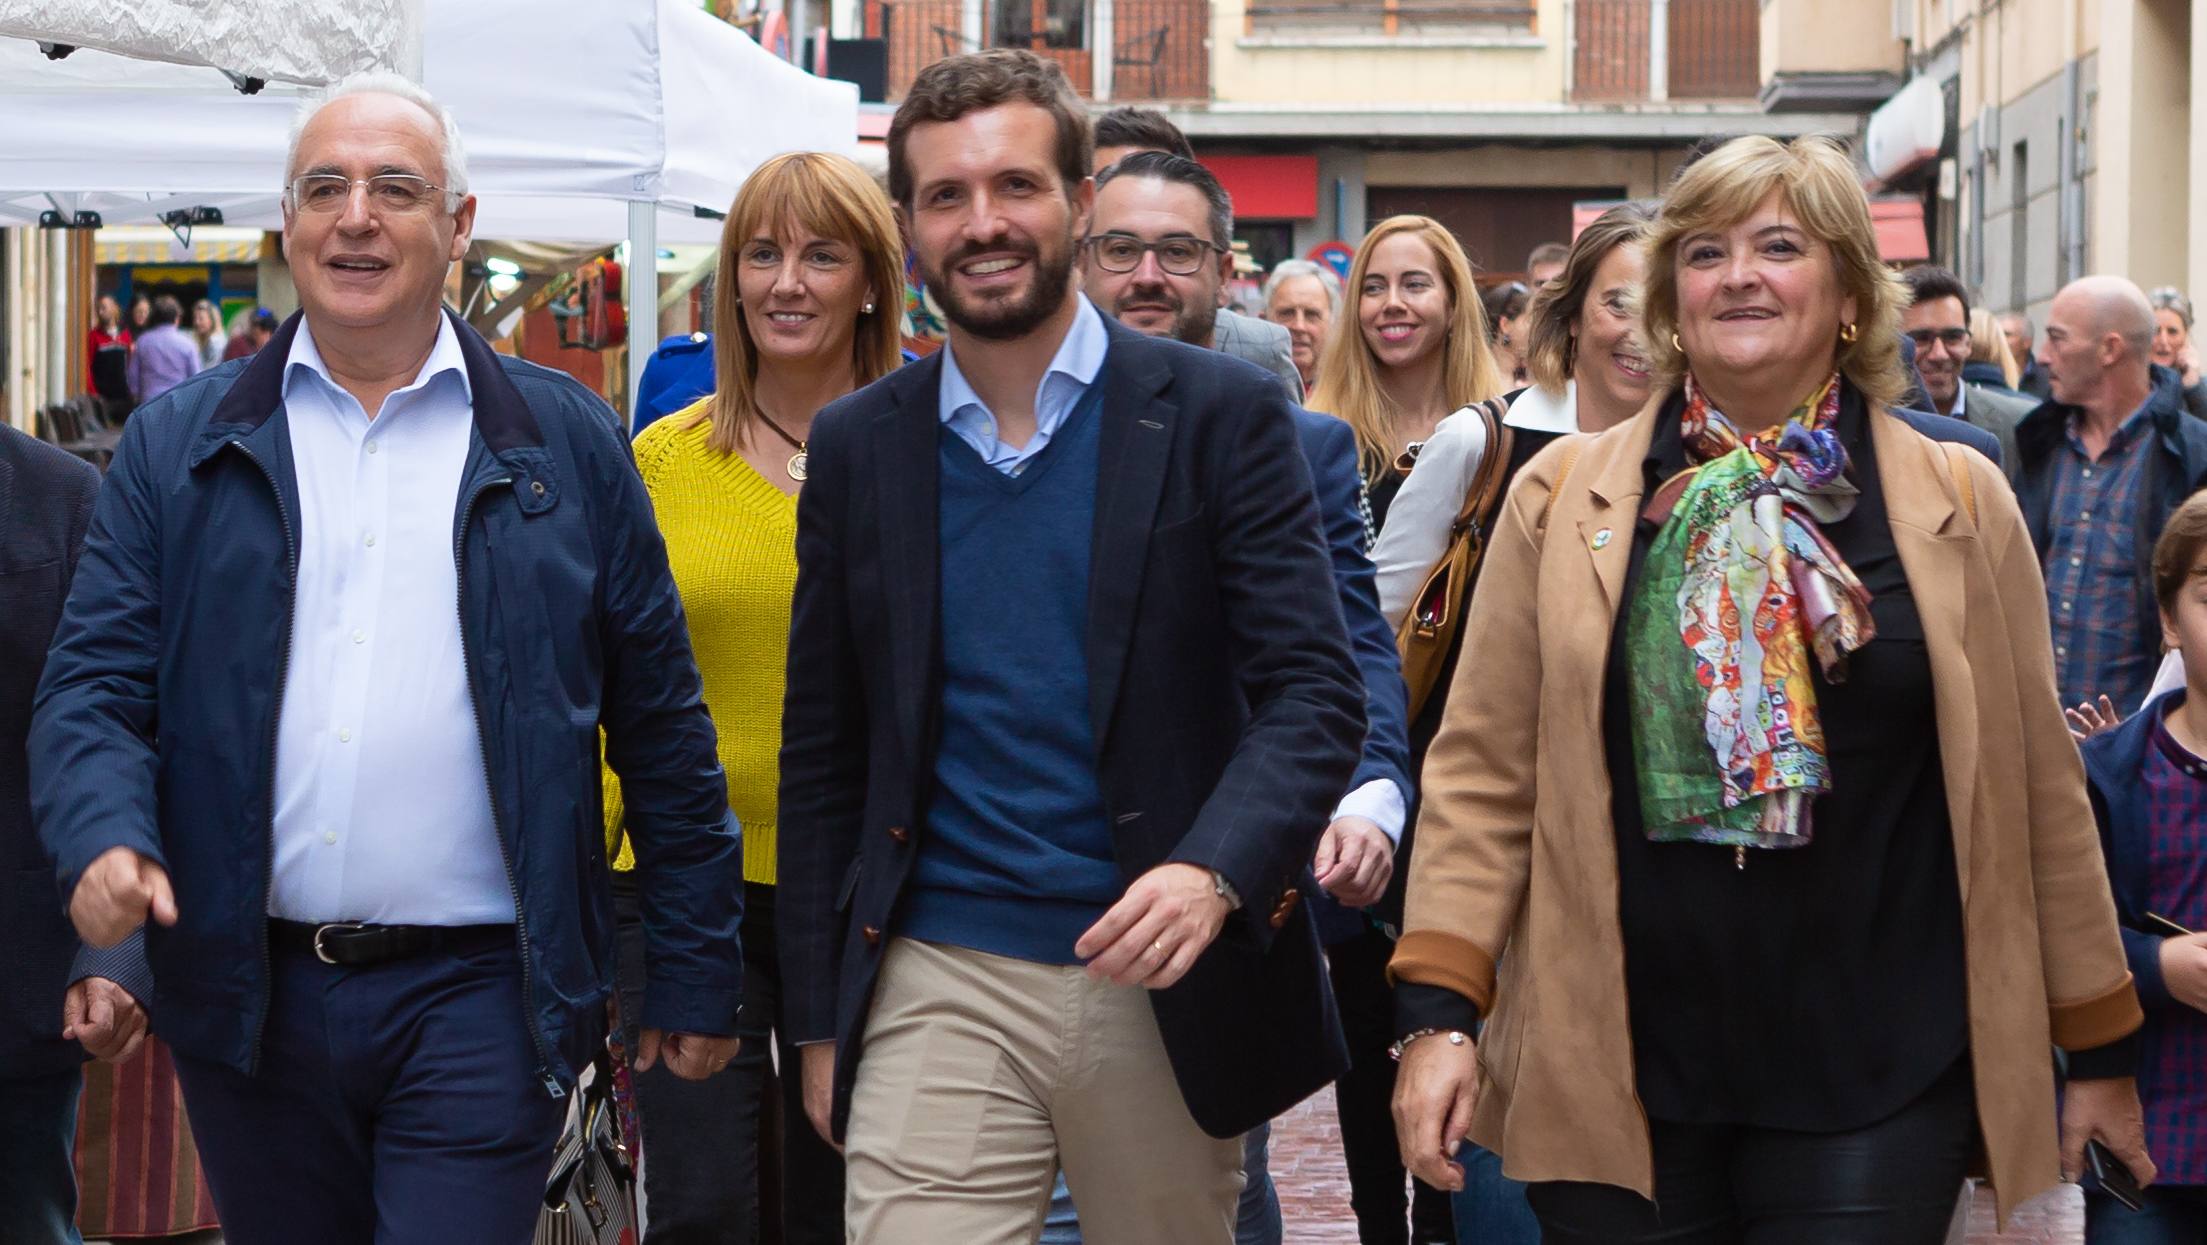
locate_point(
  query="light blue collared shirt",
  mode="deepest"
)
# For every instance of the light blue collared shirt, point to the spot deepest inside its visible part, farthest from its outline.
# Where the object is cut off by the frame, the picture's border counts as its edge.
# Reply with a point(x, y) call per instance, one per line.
point(382, 810)
point(1072, 370)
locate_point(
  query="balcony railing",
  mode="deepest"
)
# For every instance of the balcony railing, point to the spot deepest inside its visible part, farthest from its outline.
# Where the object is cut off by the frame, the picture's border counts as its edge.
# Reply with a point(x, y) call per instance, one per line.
point(1160, 49)
point(1387, 17)
point(1712, 49)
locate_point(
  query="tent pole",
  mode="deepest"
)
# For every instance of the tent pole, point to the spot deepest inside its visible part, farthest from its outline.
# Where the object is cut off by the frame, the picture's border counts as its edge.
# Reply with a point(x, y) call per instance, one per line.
point(58, 386)
point(640, 290)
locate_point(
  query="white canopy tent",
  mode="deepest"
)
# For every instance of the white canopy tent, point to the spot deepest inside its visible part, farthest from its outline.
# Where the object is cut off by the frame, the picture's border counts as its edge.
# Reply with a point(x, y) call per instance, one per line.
point(585, 121)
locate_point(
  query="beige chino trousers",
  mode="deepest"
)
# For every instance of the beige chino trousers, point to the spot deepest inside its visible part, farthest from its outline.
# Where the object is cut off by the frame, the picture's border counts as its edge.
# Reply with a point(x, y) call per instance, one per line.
point(982, 1076)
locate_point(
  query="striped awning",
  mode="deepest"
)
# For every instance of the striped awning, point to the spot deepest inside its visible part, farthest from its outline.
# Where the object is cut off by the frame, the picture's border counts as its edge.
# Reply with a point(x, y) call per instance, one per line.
point(154, 244)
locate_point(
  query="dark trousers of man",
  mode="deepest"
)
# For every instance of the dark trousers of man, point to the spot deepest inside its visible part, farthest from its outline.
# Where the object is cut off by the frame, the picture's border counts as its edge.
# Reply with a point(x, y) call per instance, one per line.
point(38, 1177)
point(1363, 1099)
point(712, 1149)
point(394, 1104)
point(1895, 1182)
point(2172, 1215)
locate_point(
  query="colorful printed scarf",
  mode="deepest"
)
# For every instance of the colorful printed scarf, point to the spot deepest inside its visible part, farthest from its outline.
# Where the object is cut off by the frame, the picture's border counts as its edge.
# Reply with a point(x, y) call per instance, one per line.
point(1738, 589)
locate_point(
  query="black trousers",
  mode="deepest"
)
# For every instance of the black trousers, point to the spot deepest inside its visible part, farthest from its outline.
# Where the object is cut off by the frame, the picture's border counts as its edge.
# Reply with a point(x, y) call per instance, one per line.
point(1895, 1182)
point(731, 1160)
point(1362, 1099)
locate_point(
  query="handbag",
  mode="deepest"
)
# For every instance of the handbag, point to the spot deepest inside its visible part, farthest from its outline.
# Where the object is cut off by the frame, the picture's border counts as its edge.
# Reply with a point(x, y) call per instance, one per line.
point(1428, 632)
point(591, 1196)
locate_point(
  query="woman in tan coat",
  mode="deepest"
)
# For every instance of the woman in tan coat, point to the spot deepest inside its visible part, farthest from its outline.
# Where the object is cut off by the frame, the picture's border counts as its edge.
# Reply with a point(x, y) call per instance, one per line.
point(1754, 785)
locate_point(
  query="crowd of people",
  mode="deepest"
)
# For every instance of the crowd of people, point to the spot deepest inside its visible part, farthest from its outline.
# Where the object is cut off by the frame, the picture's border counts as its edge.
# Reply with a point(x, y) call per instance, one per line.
point(1692, 746)
point(130, 364)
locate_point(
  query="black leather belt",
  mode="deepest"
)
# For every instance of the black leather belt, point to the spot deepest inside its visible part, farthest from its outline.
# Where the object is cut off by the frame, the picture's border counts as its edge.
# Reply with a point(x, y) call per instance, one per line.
point(352, 945)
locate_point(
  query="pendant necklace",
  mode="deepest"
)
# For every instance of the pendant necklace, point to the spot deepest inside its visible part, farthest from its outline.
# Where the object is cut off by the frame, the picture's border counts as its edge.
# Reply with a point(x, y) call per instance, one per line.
point(796, 466)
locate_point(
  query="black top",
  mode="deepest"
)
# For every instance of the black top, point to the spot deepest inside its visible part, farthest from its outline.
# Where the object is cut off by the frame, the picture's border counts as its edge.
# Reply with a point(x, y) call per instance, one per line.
point(1821, 987)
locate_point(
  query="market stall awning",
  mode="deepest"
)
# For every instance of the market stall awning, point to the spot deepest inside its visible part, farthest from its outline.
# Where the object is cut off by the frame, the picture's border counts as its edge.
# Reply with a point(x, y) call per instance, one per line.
point(1900, 231)
point(152, 244)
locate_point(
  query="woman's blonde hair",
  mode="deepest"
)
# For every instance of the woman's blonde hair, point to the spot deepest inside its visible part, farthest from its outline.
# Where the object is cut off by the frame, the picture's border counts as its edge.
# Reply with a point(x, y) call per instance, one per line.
point(831, 197)
point(1348, 375)
point(1818, 186)
point(1988, 344)
point(1550, 341)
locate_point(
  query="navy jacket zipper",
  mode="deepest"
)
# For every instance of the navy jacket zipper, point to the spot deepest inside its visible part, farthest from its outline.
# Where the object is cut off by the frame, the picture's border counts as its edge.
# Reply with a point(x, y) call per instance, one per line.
point(498, 821)
point(275, 721)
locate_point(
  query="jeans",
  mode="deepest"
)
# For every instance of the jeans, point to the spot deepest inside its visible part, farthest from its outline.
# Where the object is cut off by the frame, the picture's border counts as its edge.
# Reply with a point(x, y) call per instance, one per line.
point(38, 1178)
point(1492, 1209)
point(1257, 1221)
point(2175, 1215)
point(393, 1102)
point(1894, 1182)
point(712, 1147)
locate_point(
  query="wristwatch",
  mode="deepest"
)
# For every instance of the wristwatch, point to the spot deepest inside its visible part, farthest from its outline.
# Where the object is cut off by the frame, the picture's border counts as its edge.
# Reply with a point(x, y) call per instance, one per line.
point(1225, 890)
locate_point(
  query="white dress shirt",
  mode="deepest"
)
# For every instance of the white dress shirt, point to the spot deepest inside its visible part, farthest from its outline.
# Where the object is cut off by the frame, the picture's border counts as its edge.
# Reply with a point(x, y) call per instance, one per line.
point(382, 799)
point(1425, 510)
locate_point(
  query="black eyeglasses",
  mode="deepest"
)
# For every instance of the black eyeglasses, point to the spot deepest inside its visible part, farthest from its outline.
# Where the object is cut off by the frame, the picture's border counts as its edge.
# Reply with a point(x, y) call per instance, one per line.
point(1952, 339)
point(1123, 252)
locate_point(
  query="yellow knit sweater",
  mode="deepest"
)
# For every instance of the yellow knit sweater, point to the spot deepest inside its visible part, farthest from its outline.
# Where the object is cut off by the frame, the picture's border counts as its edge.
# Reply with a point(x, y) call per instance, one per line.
point(732, 544)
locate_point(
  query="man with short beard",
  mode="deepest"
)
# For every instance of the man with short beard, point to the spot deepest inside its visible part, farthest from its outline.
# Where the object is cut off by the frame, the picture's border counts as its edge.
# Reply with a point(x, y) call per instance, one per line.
point(1069, 701)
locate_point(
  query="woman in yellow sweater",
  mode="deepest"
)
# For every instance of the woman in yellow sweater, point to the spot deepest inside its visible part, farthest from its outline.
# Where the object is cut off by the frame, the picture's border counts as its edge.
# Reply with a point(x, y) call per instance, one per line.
point(807, 307)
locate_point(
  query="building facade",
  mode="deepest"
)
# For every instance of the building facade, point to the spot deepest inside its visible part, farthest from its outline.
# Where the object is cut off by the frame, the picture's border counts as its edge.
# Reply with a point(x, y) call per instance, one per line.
point(2071, 139)
point(1497, 117)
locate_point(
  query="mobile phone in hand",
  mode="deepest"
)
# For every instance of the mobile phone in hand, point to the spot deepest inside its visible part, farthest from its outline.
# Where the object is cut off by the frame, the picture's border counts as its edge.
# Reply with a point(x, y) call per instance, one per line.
point(2108, 1173)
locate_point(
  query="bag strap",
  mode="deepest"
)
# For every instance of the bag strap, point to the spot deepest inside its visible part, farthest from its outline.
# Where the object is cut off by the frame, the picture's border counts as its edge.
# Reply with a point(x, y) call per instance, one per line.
point(1494, 464)
point(1563, 472)
point(1965, 487)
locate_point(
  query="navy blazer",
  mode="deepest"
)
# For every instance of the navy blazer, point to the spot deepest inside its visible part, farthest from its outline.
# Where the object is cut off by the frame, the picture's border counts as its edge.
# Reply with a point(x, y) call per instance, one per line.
point(1227, 708)
point(45, 508)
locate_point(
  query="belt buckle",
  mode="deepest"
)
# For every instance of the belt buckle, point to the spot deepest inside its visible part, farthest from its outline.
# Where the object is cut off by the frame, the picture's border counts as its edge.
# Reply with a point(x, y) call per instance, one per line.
point(321, 930)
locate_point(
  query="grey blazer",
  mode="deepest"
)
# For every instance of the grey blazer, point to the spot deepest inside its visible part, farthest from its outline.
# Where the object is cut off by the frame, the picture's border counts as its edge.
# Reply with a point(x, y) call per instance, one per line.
point(1998, 412)
point(1260, 342)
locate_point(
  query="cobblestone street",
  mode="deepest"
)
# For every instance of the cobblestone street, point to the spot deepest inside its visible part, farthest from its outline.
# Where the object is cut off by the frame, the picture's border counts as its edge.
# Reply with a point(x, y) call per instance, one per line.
point(1314, 1191)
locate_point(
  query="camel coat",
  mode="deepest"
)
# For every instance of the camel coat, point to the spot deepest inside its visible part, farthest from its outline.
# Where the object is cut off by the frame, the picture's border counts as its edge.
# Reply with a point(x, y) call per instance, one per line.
point(1516, 849)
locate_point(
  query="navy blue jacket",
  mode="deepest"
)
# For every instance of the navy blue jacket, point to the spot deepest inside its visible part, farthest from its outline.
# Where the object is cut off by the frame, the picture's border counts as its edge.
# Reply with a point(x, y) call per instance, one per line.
point(2113, 761)
point(1227, 709)
point(156, 720)
point(1329, 447)
point(45, 506)
point(2176, 469)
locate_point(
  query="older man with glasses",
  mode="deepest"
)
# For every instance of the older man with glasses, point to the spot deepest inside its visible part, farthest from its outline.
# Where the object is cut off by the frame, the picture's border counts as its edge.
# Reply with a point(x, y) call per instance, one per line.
point(324, 708)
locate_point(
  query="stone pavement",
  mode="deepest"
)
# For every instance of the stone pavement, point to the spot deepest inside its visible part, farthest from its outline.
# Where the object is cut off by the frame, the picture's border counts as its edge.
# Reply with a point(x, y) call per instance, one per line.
point(1314, 1191)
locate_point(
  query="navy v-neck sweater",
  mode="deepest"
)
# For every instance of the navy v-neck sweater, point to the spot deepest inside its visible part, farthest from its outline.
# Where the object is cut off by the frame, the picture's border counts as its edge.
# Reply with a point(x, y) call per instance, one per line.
point(1015, 854)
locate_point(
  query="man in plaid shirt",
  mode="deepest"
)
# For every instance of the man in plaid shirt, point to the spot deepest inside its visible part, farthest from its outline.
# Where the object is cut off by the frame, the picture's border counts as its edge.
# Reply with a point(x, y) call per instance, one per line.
point(2149, 792)
point(2100, 467)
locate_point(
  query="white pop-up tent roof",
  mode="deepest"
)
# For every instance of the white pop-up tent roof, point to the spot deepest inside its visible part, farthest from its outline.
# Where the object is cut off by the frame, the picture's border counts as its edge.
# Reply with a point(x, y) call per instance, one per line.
point(572, 112)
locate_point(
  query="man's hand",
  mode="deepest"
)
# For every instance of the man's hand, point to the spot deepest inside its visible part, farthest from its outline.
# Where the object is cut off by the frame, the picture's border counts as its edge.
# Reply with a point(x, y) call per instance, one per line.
point(1435, 1090)
point(1354, 862)
point(104, 1018)
point(2107, 1110)
point(691, 1056)
point(2184, 970)
point(115, 894)
point(1152, 936)
point(817, 1070)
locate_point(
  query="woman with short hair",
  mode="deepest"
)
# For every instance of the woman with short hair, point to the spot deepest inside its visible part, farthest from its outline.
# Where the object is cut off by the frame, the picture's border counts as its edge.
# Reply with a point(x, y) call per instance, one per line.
point(807, 306)
point(2172, 345)
point(1755, 832)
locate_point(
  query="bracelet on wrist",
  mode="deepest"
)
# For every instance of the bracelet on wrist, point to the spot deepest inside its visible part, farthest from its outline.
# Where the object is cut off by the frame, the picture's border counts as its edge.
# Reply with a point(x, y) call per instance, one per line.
point(1456, 1037)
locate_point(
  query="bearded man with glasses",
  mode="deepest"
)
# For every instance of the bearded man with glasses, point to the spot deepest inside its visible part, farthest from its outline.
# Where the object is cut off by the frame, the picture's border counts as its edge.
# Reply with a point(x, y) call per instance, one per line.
point(322, 715)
